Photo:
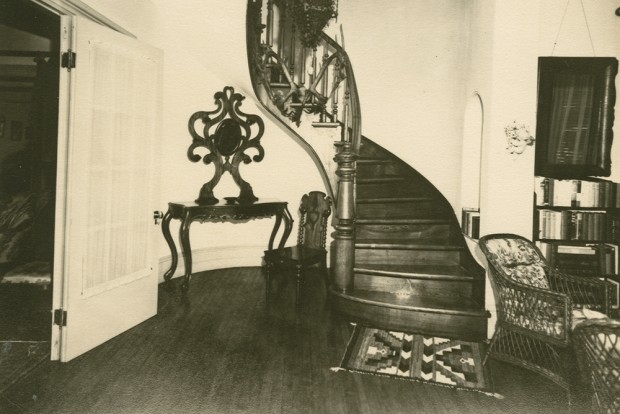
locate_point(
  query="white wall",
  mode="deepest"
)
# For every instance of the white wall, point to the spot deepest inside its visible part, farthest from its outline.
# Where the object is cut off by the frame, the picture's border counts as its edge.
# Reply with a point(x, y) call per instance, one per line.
point(507, 37)
point(417, 62)
point(205, 50)
point(409, 58)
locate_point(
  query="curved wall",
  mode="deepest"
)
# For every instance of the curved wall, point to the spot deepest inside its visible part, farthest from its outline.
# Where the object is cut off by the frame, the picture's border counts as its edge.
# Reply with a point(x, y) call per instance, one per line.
point(205, 50)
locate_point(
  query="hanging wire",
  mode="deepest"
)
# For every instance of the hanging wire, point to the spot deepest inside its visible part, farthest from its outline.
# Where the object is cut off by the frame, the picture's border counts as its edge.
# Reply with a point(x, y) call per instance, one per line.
point(588, 27)
point(585, 18)
point(560, 28)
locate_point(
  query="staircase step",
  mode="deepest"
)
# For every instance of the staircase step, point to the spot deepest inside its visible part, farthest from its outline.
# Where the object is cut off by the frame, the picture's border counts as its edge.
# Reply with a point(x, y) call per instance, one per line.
point(398, 179)
point(426, 280)
point(374, 159)
point(393, 200)
point(435, 272)
point(388, 186)
point(396, 244)
point(399, 207)
point(439, 316)
point(402, 228)
point(373, 167)
point(397, 252)
point(411, 221)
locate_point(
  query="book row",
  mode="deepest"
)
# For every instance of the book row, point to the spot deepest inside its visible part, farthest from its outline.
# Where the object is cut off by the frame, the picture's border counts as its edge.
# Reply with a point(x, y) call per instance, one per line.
point(577, 193)
point(577, 225)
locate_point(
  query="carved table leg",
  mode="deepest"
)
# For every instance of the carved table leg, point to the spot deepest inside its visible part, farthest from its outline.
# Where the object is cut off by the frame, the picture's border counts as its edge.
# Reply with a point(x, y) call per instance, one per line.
point(276, 227)
point(165, 228)
point(186, 249)
point(288, 226)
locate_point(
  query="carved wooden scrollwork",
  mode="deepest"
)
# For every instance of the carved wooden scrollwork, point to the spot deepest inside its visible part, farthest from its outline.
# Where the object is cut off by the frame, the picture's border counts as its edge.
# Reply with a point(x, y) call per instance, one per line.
point(227, 134)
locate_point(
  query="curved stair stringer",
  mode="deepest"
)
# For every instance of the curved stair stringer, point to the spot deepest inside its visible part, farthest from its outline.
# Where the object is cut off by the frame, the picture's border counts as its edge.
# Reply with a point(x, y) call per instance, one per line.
point(323, 164)
point(413, 269)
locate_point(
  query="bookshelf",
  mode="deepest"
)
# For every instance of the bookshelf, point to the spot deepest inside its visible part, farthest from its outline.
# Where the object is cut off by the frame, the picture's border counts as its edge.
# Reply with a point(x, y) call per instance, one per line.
point(586, 211)
point(577, 226)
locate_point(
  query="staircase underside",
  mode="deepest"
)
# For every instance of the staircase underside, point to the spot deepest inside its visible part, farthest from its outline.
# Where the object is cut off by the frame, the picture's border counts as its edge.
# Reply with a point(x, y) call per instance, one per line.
point(413, 271)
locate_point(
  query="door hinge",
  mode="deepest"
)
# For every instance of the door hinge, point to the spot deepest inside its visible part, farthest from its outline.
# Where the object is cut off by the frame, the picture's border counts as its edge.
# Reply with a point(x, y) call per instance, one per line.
point(68, 60)
point(60, 317)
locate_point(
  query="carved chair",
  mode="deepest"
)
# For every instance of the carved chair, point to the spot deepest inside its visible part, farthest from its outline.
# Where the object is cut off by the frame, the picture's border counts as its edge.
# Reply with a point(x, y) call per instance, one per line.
point(537, 307)
point(314, 210)
point(597, 345)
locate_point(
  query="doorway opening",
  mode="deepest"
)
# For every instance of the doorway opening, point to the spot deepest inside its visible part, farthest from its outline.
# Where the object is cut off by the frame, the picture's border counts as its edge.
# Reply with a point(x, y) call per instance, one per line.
point(29, 88)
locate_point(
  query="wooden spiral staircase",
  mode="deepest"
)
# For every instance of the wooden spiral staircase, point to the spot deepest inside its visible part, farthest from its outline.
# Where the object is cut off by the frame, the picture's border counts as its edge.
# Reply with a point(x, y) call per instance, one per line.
point(398, 260)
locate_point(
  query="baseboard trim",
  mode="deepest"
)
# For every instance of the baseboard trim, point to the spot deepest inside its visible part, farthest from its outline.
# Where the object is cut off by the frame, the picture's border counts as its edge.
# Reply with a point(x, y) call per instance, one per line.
point(210, 258)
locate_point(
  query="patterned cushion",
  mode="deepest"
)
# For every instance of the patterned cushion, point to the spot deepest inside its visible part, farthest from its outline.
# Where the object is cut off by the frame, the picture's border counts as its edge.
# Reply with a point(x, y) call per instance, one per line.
point(519, 261)
point(584, 314)
point(34, 273)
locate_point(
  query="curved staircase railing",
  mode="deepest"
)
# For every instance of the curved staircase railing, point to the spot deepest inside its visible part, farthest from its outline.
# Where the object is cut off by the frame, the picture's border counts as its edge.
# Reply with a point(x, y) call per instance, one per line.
point(315, 85)
point(398, 260)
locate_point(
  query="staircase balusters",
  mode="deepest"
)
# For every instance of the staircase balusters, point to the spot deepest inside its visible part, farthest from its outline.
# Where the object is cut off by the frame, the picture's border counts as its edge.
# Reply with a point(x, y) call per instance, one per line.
point(284, 82)
point(270, 23)
point(337, 78)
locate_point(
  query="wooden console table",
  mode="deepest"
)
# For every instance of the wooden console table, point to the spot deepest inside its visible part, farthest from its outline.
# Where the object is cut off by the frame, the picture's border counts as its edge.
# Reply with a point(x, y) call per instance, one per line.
point(189, 212)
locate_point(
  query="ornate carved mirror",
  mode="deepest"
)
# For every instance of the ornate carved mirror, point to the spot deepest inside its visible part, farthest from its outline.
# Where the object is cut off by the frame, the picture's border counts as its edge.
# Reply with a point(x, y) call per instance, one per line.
point(227, 134)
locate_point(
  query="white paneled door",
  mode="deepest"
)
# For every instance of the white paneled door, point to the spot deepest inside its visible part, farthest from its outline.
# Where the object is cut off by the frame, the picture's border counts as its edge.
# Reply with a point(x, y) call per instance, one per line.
point(106, 271)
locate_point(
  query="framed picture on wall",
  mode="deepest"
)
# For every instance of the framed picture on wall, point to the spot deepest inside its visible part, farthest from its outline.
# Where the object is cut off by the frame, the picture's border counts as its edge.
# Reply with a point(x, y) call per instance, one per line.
point(575, 116)
point(17, 130)
point(2, 123)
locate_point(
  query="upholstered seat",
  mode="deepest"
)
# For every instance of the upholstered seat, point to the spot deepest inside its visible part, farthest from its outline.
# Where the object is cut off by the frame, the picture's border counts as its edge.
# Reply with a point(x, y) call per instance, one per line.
point(310, 250)
point(37, 273)
point(537, 306)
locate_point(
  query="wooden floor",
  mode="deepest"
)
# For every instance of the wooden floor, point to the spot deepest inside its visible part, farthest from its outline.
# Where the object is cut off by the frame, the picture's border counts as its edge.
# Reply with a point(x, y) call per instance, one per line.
point(223, 351)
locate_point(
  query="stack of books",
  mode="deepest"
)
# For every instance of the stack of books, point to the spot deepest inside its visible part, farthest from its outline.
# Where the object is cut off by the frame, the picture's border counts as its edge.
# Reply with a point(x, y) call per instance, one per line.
point(470, 222)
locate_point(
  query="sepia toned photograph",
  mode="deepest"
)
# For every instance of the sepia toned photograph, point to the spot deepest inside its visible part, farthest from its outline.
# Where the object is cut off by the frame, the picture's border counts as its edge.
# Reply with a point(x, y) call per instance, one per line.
point(309, 206)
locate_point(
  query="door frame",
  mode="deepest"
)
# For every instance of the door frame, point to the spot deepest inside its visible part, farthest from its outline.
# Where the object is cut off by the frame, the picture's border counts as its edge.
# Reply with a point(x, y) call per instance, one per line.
point(66, 10)
point(79, 8)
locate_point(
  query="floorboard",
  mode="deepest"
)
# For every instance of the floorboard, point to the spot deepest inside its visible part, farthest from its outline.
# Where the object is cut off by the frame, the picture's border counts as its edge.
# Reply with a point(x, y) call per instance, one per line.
point(223, 350)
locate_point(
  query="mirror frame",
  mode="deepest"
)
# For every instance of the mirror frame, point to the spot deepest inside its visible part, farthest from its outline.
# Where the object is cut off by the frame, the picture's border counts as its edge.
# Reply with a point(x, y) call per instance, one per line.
point(603, 70)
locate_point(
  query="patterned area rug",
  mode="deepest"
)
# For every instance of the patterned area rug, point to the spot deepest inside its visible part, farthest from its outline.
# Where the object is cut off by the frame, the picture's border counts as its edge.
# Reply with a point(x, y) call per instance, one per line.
point(17, 359)
point(441, 361)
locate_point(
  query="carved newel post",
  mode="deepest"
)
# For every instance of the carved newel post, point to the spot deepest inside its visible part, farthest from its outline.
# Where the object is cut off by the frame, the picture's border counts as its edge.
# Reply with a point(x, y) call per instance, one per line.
point(343, 247)
point(227, 134)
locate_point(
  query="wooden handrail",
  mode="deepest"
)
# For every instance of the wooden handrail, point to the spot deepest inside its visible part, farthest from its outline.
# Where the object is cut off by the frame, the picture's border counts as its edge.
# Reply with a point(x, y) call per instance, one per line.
point(327, 91)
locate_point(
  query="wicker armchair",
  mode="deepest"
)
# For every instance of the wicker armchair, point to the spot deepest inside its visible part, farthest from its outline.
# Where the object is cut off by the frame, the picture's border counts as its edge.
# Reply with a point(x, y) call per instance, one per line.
point(537, 307)
point(597, 345)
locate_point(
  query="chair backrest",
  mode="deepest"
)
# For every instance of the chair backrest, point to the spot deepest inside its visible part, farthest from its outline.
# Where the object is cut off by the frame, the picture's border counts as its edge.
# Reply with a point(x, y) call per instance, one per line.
point(516, 258)
point(597, 345)
point(314, 210)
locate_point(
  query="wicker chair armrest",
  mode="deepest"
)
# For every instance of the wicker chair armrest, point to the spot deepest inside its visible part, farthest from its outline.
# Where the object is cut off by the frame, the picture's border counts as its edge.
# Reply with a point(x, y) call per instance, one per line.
point(587, 291)
point(540, 311)
point(597, 347)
